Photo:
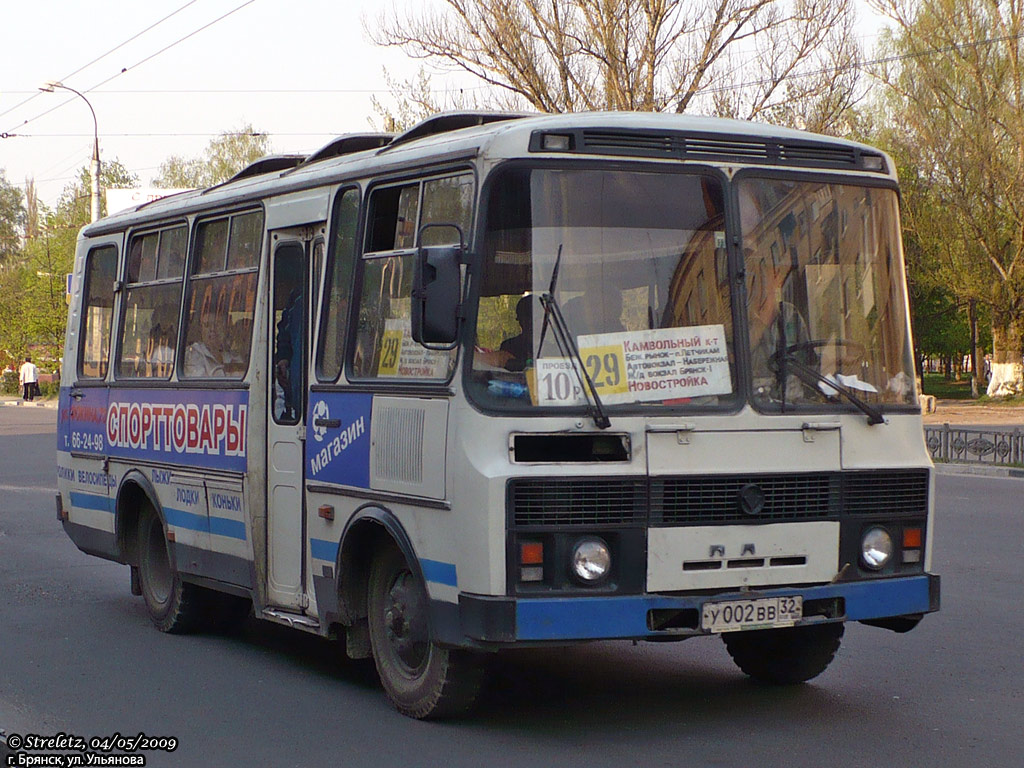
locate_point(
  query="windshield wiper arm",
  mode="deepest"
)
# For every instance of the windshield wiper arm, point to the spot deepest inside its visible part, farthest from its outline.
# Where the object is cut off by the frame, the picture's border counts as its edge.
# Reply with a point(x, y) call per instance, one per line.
point(810, 376)
point(567, 347)
point(551, 293)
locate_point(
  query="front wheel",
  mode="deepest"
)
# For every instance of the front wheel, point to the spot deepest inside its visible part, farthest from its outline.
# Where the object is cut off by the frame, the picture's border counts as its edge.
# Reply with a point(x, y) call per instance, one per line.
point(421, 679)
point(784, 656)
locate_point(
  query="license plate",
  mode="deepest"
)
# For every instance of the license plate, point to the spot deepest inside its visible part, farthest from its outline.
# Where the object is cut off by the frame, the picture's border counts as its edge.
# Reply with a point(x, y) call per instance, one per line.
point(760, 613)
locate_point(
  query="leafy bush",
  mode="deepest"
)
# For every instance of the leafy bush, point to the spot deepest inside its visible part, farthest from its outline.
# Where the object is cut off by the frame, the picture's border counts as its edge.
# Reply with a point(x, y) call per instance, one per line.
point(10, 383)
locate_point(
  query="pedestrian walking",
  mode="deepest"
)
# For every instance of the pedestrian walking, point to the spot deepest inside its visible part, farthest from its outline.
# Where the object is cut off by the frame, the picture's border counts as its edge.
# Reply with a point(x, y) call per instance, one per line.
point(28, 377)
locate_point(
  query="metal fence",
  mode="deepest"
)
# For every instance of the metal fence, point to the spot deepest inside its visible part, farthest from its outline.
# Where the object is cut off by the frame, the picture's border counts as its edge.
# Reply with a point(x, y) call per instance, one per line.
point(975, 446)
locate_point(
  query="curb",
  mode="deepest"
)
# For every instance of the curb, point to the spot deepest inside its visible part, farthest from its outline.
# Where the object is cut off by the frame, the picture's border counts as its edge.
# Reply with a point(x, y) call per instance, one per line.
point(24, 404)
point(949, 468)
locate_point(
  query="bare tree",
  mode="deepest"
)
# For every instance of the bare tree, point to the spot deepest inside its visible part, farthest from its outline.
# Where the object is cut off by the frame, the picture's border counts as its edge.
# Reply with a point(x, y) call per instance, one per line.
point(745, 58)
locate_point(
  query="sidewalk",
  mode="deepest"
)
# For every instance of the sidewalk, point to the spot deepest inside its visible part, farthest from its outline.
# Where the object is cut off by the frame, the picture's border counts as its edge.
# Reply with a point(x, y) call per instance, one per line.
point(15, 401)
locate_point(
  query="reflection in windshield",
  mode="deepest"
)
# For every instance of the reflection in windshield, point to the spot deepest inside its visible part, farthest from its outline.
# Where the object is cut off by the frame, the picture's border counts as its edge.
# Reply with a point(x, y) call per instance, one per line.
point(825, 293)
point(642, 284)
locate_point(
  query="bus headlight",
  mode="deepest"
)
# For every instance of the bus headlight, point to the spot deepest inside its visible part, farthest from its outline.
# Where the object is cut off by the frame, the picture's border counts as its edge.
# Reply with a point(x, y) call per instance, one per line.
point(876, 548)
point(591, 560)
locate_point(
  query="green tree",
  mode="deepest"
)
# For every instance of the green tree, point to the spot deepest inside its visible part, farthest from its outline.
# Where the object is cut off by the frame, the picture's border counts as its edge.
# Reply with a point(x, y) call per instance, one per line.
point(224, 157)
point(72, 209)
point(33, 314)
point(12, 220)
point(954, 85)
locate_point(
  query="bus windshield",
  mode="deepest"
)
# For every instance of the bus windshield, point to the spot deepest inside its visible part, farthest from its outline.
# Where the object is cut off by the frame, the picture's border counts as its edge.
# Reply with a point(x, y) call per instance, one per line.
point(826, 307)
point(634, 263)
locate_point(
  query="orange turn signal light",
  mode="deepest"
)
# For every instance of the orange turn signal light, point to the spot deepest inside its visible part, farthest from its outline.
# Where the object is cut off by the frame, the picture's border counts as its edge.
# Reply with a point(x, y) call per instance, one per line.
point(911, 538)
point(531, 553)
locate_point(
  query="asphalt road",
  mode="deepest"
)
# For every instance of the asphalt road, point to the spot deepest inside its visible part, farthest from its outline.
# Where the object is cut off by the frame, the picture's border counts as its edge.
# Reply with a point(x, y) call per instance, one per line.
point(78, 655)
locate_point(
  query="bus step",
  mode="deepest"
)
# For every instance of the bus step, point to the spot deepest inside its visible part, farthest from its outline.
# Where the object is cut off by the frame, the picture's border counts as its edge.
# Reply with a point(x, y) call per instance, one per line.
point(290, 619)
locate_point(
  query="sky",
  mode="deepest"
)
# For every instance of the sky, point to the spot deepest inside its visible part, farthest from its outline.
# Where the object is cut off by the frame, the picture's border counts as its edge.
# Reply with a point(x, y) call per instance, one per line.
point(302, 71)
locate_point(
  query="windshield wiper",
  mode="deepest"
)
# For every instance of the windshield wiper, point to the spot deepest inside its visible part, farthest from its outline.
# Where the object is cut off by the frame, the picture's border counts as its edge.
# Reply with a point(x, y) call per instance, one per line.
point(551, 293)
point(568, 349)
point(784, 358)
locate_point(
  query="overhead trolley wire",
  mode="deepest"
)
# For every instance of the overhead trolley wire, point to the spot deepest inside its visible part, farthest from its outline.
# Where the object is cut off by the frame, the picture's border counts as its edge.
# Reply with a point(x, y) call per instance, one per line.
point(104, 55)
point(166, 48)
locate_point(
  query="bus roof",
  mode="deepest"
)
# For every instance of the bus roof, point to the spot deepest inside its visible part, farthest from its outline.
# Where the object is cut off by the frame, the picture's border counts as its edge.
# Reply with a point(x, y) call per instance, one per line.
point(500, 135)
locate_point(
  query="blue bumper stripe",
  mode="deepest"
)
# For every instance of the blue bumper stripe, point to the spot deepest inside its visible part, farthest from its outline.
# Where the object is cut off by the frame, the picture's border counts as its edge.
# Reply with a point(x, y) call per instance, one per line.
point(193, 521)
point(92, 501)
point(323, 550)
point(439, 573)
point(225, 526)
point(433, 570)
point(610, 617)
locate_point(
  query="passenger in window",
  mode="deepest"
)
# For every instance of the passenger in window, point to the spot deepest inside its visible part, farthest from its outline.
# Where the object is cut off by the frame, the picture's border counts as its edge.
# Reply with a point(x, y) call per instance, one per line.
point(287, 357)
point(159, 354)
point(236, 358)
point(203, 358)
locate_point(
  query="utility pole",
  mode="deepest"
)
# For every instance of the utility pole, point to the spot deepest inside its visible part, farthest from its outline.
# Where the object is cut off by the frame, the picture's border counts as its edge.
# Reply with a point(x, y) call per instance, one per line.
point(95, 167)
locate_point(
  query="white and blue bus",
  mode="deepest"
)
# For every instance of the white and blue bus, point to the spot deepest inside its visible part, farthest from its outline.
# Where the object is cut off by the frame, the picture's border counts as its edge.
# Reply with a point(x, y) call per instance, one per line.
point(506, 381)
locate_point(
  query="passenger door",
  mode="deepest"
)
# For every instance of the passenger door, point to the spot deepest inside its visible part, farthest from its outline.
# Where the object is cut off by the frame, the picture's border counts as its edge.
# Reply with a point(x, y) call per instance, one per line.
point(286, 404)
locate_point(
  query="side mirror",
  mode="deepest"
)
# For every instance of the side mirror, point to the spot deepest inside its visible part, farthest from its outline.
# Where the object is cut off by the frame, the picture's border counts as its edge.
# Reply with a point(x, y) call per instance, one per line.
point(436, 289)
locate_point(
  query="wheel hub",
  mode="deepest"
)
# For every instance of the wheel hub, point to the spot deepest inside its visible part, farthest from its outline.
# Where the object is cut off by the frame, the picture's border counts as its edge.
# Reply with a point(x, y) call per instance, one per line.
point(405, 623)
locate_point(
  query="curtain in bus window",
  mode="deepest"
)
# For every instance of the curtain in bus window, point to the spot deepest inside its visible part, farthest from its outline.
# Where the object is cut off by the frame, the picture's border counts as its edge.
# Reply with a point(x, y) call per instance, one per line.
point(149, 327)
point(97, 313)
point(244, 242)
point(222, 297)
point(150, 331)
point(211, 246)
point(218, 339)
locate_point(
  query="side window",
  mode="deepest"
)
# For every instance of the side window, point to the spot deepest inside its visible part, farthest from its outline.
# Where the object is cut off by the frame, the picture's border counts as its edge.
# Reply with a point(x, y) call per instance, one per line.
point(384, 343)
point(221, 297)
point(149, 331)
point(97, 312)
point(447, 201)
point(338, 286)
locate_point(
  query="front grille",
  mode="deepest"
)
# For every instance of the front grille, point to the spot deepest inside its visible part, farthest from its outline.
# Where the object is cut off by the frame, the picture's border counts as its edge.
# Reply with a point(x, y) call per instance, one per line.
point(605, 501)
point(714, 499)
point(901, 492)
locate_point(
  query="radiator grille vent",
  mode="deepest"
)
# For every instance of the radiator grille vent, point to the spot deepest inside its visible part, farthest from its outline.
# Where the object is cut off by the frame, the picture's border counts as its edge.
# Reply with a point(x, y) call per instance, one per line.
point(727, 148)
point(398, 444)
point(714, 499)
point(579, 502)
point(900, 492)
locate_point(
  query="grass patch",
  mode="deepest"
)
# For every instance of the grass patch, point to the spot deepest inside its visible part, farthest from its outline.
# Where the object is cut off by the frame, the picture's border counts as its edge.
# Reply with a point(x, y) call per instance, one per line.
point(1016, 402)
point(939, 386)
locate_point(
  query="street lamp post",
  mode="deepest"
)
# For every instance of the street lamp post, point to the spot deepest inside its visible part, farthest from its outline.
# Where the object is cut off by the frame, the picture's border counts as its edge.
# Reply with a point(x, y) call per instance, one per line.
point(95, 173)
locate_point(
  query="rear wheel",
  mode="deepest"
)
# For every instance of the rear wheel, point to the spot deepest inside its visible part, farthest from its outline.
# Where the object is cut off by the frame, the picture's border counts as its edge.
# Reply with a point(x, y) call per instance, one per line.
point(785, 656)
point(173, 605)
point(422, 679)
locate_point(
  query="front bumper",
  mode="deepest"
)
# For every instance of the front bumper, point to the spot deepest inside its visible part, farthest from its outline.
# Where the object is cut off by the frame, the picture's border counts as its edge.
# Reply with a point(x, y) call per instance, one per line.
point(502, 621)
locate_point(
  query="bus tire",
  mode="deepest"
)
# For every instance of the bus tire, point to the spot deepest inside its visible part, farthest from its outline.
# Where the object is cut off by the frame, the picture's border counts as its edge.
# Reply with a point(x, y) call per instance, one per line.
point(174, 606)
point(784, 656)
point(421, 679)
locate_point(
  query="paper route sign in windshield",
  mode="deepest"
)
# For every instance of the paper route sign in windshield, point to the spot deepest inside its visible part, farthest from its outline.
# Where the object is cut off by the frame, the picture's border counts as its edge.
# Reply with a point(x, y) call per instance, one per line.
point(658, 364)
